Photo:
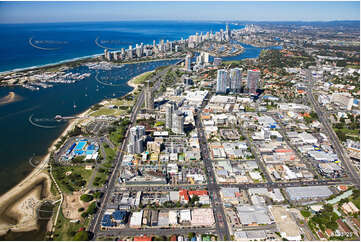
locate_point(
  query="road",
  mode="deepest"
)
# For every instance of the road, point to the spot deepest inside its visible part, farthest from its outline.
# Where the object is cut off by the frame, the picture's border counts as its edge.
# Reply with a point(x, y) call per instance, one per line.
point(220, 217)
point(306, 230)
point(94, 225)
point(283, 131)
point(257, 156)
point(350, 170)
point(152, 231)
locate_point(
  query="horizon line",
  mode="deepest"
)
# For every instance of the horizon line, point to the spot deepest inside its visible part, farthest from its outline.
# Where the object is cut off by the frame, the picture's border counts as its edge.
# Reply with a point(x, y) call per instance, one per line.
point(175, 20)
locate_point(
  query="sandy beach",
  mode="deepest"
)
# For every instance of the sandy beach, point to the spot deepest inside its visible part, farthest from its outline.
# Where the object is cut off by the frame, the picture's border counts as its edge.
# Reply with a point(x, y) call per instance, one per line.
point(18, 205)
point(132, 83)
point(11, 97)
point(12, 213)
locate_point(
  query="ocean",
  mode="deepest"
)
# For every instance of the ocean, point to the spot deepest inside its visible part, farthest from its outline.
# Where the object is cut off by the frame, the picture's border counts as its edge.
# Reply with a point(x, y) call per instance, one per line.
point(64, 41)
point(20, 140)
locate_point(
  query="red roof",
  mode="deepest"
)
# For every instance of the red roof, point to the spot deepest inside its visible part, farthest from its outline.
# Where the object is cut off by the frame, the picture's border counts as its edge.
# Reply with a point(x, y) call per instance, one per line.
point(342, 225)
point(198, 193)
point(342, 187)
point(329, 232)
point(356, 222)
point(283, 150)
point(183, 193)
point(320, 234)
point(143, 238)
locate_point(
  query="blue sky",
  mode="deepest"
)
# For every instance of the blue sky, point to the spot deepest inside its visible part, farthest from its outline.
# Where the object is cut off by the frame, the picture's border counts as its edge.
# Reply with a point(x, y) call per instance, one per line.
point(21, 12)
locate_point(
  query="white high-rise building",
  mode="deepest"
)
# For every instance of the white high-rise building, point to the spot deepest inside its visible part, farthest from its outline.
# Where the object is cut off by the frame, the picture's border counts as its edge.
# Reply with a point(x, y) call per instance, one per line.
point(222, 80)
point(136, 142)
point(139, 51)
point(115, 55)
point(107, 54)
point(253, 81)
point(170, 108)
point(178, 122)
point(148, 96)
point(203, 58)
point(236, 80)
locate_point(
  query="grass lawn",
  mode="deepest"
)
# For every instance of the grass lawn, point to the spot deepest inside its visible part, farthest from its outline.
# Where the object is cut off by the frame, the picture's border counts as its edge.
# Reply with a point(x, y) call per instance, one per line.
point(103, 111)
point(350, 133)
point(143, 77)
point(74, 181)
point(109, 111)
point(110, 153)
point(100, 179)
point(231, 62)
point(353, 66)
point(122, 102)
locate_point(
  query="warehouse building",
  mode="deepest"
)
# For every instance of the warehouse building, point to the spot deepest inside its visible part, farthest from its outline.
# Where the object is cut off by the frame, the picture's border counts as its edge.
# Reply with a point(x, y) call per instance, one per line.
point(308, 193)
point(253, 215)
point(136, 220)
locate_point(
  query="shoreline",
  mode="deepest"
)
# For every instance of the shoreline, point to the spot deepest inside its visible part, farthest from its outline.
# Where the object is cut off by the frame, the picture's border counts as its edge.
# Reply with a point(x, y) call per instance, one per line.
point(134, 85)
point(54, 64)
point(77, 59)
point(39, 175)
point(26, 186)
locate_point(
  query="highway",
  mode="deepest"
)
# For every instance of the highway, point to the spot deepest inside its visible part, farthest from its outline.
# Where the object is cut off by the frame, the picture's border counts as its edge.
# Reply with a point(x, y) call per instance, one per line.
point(350, 170)
point(94, 225)
point(220, 217)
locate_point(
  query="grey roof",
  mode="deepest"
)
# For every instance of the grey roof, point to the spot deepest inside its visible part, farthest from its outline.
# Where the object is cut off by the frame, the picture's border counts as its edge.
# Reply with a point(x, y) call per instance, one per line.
point(174, 195)
point(222, 173)
point(298, 193)
point(229, 191)
point(253, 214)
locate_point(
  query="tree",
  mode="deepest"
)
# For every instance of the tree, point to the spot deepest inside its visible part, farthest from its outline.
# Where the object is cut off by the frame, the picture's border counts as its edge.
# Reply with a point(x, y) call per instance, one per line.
point(81, 236)
point(194, 199)
point(305, 213)
point(191, 235)
point(86, 197)
point(78, 159)
point(341, 135)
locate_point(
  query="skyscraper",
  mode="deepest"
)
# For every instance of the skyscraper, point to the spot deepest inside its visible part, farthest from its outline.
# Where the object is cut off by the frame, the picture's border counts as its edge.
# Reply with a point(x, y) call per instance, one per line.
point(187, 64)
point(253, 80)
point(115, 55)
point(136, 142)
point(148, 96)
point(227, 33)
point(139, 51)
point(205, 57)
point(222, 79)
point(236, 80)
point(170, 108)
point(178, 122)
point(107, 54)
